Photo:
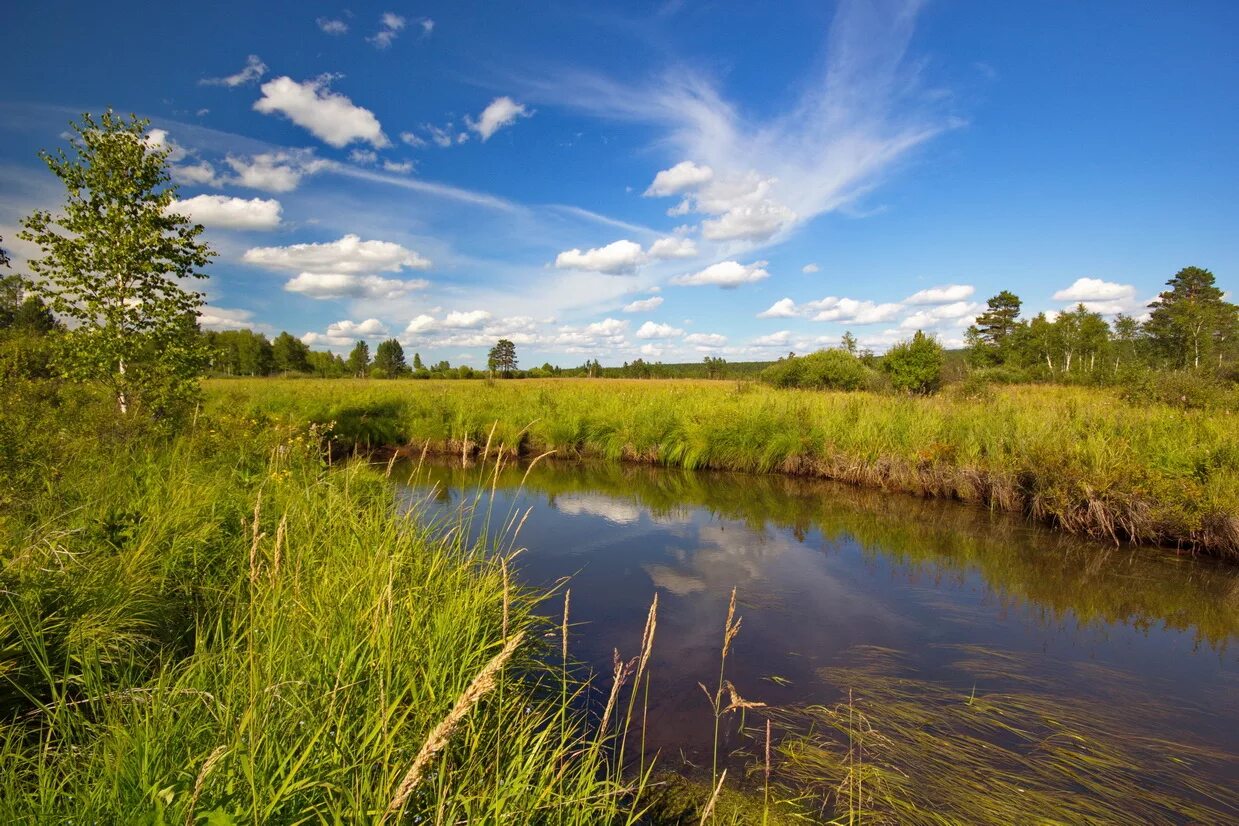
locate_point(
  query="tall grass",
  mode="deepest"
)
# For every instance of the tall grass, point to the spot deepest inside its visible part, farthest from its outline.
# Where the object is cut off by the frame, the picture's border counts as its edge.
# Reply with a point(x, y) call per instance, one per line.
point(225, 628)
point(1079, 458)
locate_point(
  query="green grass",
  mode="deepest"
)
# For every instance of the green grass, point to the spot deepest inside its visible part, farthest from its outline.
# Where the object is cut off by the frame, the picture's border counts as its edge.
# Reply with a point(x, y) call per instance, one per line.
point(172, 651)
point(1078, 458)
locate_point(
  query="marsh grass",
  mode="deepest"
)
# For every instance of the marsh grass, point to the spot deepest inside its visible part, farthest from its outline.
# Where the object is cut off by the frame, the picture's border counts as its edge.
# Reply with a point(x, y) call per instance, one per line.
point(1079, 458)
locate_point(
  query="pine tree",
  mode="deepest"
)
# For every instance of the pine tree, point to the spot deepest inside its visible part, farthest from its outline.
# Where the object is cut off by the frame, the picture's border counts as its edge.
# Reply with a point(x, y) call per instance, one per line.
point(1192, 323)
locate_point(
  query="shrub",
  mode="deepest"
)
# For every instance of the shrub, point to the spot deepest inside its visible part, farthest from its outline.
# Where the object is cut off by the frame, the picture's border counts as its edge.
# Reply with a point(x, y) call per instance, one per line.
point(1185, 389)
point(823, 370)
point(915, 365)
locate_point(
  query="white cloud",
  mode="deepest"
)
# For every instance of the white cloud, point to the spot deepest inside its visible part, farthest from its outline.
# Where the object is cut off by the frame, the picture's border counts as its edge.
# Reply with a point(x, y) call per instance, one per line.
point(323, 285)
point(705, 339)
point(221, 318)
point(412, 139)
point(957, 312)
point(274, 171)
point(617, 258)
point(748, 222)
point(1094, 289)
point(364, 157)
point(851, 311)
point(230, 213)
point(199, 174)
point(644, 305)
point(345, 332)
point(466, 320)
point(941, 295)
point(809, 269)
point(427, 25)
point(421, 324)
point(501, 112)
point(399, 167)
point(651, 330)
point(328, 115)
point(673, 247)
point(683, 176)
point(783, 308)
point(779, 339)
point(254, 69)
point(607, 327)
point(159, 139)
point(390, 25)
point(651, 350)
point(726, 274)
point(349, 255)
point(331, 26)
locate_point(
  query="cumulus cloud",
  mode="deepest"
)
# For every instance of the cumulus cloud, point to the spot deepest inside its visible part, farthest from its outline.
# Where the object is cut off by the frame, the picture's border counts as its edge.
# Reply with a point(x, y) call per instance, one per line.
point(466, 320)
point(1094, 289)
point(501, 112)
point(650, 330)
point(726, 274)
point(941, 295)
point(253, 70)
point(274, 171)
point(390, 26)
point(230, 213)
point(852, 311)
point(957, 312)
point(617, 258)
point(159, 139)
point(328, 115)
point(809, 269)
point(673, 247)
point(365, 157)
point(644, 305)
point(222, 318)
point(345, 332)
point(783, 308)
point(705, 339)
point(779, 339)
point(748, 222)
point(683, 176)
point(323, 285)
point(195, 174)
point(332, 26)
point(349, 255)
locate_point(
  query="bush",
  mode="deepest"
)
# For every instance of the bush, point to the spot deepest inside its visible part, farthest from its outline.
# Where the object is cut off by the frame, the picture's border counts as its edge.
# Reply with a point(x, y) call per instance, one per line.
point(1185, 389)
point(823, 370)
point(915, 365)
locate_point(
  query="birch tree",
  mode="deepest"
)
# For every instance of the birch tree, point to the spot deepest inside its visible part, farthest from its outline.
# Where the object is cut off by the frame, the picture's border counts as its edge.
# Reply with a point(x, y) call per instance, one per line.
point(113, 264)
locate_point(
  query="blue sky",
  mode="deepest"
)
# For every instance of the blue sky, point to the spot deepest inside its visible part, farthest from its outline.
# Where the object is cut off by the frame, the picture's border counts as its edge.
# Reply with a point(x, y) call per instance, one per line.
point(663, 180)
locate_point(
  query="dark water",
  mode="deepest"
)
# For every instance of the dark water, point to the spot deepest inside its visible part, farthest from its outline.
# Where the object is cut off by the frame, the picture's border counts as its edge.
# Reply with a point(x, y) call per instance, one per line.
point(823, 570)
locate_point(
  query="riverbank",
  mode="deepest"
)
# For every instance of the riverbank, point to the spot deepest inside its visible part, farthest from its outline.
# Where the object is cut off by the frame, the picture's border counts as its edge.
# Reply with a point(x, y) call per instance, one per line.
point(1080, 459)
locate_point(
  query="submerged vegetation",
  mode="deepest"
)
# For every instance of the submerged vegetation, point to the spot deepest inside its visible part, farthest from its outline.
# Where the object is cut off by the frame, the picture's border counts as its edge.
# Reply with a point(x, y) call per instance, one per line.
point(1079, 458)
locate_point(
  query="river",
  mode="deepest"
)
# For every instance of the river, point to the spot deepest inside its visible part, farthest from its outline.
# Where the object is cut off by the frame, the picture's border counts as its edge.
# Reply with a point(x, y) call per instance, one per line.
point(826, 575)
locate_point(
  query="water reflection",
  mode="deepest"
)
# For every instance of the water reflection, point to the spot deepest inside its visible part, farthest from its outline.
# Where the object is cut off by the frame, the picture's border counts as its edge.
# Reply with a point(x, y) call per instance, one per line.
point(825, 569)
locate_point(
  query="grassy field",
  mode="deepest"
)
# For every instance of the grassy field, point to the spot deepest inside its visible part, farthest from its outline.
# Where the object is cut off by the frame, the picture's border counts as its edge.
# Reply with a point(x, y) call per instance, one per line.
point(1078, 458)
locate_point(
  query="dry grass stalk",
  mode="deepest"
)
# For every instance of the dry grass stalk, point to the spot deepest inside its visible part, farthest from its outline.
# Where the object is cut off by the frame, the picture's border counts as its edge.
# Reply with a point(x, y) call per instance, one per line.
point(507, 594)
point(257, 537)
point(281, 535)
point(481, 685)
point(211, 760)
point(390, 462)
point(738, 702)
point(564, 630)
point(709, 809)
point(730, 629)
point(619, 677)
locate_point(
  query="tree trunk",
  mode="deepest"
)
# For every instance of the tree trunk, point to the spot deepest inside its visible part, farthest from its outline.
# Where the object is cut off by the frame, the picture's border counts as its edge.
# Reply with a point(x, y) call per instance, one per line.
point(120, 396)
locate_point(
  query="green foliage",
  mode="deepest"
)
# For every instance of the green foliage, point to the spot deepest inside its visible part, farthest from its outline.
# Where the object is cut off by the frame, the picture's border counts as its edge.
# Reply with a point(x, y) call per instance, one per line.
point(359, 360)
point(389, 359)
point(112, 262)
point(1186, 389)
point(823, 370)
point(990, 339)
point(915, 366)
point(290, 354)
point(502, 358)
point(1191, 324)
point(241, 353)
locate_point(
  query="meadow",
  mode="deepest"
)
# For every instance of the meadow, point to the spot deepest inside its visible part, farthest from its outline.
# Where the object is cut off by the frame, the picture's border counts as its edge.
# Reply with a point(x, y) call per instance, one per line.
point(1081, 459)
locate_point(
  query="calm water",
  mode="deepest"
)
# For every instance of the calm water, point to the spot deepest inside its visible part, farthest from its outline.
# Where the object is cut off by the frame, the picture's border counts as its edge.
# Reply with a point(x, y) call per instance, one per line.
point(824, 569)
